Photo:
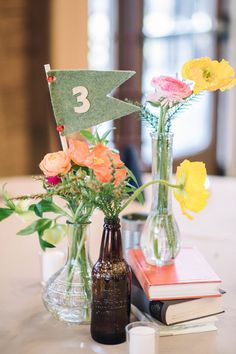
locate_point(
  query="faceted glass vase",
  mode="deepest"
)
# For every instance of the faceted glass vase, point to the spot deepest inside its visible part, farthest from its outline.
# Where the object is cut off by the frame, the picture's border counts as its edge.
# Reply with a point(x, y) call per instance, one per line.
point(160, 240)
point(67, 294)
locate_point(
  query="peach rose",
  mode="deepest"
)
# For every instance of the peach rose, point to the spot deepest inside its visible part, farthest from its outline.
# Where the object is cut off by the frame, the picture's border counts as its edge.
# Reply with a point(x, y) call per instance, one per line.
point(101, 160)
point(78, 152)
point(55, 163)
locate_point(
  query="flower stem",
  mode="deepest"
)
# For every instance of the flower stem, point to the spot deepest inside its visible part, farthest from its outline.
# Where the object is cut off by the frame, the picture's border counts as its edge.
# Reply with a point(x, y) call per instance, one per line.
point(78, 258)
point(140, 189)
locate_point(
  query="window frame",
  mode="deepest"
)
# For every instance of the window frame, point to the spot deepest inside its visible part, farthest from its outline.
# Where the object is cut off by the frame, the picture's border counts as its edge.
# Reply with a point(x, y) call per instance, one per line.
point(130, 57)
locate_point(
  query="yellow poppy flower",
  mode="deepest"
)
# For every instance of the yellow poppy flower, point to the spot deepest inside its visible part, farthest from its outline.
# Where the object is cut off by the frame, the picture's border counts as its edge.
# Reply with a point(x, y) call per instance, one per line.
point(192, 194)
point(210, 75)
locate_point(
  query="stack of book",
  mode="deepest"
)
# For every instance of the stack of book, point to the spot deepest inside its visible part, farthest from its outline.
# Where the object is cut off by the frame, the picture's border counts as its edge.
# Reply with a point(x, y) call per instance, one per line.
point(183, 297)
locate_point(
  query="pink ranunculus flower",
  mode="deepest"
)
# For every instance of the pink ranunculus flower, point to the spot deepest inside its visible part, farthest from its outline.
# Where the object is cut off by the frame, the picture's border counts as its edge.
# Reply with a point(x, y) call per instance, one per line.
point(168, 90)
point(53, 180)
point(55, 163)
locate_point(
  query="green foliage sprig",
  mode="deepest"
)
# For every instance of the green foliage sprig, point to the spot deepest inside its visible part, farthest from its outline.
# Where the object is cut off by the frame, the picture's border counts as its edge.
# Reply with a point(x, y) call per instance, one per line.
point(152, 120)
point(111, 199)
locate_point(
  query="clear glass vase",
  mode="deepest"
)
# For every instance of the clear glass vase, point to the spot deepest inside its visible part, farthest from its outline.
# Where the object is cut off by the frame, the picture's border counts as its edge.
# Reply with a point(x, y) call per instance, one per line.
point(67, 294)
point(160, 240)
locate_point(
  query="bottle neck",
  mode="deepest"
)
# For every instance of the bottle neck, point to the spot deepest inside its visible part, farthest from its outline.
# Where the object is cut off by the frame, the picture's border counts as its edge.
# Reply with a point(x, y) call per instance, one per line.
point(111, 245)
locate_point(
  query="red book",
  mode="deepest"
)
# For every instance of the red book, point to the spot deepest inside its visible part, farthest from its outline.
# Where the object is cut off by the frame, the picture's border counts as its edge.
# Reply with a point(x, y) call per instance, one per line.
point(190, 276)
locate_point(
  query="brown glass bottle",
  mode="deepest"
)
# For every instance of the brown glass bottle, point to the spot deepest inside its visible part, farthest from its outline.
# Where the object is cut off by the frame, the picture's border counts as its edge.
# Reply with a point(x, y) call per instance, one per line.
point(111, 277)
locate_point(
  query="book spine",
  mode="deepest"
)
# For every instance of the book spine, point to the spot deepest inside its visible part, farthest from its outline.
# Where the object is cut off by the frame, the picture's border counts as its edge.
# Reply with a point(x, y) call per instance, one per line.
point(139, 273)
point(157, 309)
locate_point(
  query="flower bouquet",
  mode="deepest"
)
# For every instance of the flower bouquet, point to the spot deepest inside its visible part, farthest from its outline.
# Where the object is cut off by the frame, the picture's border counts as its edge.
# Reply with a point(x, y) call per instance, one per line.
point(161, 239)
point(80, 177)
point(86, 176)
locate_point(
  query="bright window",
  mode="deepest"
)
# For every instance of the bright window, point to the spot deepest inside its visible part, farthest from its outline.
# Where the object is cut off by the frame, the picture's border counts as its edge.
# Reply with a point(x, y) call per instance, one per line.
point(101, 41)
point(175, 31)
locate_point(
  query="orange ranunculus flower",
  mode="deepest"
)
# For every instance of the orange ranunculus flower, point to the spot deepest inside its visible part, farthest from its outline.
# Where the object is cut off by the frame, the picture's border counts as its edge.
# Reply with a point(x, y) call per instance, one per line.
point(78, 151)
point(55, 163)
point(102, 161)
point(120, 175)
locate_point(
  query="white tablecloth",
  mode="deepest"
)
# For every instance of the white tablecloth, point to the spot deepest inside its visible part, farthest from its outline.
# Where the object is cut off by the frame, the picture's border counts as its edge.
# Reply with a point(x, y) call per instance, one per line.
point(27, 328)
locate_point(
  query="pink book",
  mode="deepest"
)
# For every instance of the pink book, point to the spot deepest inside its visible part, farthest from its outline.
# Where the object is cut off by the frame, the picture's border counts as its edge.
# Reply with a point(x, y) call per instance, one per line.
point(190, 276)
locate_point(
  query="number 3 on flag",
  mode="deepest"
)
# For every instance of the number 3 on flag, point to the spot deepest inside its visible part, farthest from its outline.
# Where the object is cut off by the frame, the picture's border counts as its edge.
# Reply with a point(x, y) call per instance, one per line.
point(82, 99)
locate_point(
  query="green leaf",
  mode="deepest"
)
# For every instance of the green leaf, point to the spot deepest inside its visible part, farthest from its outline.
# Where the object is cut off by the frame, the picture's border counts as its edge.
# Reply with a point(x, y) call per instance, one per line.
point(140, 198)
point(154, 104)
point(7, 199)
point(39, 226)
point(44, 244)
point(97, 137)
point(105, 135)
point(131, 189)
point(5, 212)
point(88, 135)
point(47, 206)
point(37, 209)
point(46, 225)
point(132, 176)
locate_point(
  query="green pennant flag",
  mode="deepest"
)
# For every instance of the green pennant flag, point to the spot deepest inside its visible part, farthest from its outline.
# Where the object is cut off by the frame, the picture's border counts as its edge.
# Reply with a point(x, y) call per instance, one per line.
point(80, 97)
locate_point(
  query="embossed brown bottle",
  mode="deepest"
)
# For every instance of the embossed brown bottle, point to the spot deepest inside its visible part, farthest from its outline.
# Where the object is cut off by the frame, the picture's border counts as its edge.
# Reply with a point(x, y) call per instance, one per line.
point(111, 277)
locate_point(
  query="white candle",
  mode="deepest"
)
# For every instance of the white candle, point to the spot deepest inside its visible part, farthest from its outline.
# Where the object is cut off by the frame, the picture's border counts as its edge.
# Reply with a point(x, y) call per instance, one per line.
point(51, 262)
point(142, 339)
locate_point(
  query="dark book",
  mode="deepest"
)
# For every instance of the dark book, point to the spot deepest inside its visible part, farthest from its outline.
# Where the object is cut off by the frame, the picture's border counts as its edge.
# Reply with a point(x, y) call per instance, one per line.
point(175, 311)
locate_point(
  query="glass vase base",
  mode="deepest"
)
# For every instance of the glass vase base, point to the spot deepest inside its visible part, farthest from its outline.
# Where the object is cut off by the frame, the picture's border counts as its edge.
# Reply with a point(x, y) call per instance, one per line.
point(75, 317)
point(160, 240)
point(68, 302)
point(160, 262)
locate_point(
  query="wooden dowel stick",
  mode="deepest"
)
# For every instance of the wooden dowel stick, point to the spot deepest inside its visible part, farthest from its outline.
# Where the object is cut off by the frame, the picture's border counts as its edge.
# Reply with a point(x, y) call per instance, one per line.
point(62, 138)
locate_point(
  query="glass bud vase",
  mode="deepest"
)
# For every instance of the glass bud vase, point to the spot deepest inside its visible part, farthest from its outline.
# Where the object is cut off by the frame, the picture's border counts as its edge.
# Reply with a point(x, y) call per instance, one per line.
point(160, 240)
point(111, 288)
point(67, 294)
